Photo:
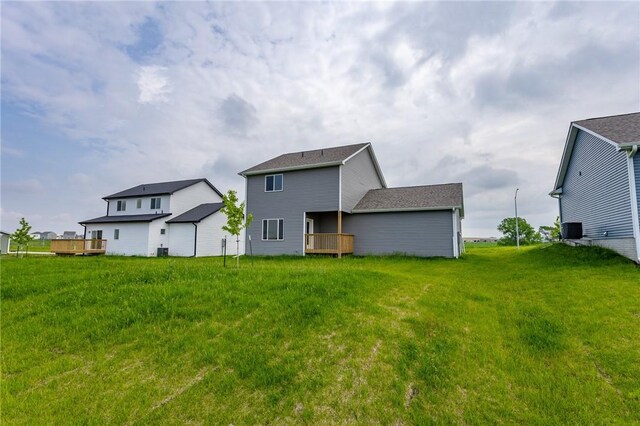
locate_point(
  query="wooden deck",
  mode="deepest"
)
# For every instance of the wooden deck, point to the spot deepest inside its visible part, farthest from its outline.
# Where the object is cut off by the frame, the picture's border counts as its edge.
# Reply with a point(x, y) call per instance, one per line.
point(69, 247)
point(328, 243)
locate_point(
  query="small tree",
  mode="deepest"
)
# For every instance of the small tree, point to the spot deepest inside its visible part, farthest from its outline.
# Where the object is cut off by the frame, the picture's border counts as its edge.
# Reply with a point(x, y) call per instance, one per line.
point(235, 219)
point(551, 233)
point(21, 237)
point(528, 234)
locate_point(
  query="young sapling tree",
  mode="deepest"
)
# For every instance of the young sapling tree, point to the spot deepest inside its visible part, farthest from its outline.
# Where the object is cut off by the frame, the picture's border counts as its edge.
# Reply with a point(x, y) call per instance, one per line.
point(21, 237)
point(236, 221)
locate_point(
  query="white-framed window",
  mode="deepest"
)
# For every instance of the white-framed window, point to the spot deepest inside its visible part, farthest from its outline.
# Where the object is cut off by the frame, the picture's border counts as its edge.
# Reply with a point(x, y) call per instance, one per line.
point(121, 206)
point(116, 234)
point(163, 231)
point(273, 183)
point(155, 203)
point(272, 229)
point(138, 203)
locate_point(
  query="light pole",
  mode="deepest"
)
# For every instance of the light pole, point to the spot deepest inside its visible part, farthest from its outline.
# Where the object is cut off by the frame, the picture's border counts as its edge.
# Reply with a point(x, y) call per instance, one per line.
point(515, 200)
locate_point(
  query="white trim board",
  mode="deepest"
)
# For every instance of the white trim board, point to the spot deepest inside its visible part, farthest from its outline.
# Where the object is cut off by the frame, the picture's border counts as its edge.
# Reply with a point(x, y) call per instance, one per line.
point(634, 204)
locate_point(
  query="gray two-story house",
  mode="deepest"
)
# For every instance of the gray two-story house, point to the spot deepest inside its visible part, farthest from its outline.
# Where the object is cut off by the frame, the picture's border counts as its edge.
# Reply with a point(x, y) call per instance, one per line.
point(598, 182)
point(336, 201)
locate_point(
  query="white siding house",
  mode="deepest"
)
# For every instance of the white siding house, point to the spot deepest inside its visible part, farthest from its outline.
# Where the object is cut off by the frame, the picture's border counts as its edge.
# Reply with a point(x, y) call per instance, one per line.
point(178, 218)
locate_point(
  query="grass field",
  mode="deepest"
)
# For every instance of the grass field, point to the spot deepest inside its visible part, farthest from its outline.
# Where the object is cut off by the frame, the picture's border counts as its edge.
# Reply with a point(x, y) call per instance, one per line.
point(545, 335)
point(34, 246)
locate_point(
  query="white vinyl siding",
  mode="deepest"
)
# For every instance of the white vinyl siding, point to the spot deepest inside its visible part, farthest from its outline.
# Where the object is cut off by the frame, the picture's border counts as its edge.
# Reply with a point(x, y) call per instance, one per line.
point(156, 203)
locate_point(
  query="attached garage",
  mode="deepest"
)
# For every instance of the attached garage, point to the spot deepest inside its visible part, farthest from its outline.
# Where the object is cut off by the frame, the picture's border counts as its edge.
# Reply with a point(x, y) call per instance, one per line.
point(419, 221)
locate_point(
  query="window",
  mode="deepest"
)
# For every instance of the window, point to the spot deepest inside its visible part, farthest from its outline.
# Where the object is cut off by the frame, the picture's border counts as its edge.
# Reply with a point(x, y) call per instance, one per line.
point(122, 206)
point(273, 229)
point(155, 203)
point(163, 231)
point(273, 183)
point(138, 203)
point(116, 234)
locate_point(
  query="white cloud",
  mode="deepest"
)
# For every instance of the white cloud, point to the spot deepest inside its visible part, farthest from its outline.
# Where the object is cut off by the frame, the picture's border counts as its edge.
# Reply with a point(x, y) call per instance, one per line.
point(153, 84)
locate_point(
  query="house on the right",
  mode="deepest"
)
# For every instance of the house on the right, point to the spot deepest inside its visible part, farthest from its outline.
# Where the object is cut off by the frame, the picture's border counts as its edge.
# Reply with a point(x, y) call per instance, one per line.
point(598, 183)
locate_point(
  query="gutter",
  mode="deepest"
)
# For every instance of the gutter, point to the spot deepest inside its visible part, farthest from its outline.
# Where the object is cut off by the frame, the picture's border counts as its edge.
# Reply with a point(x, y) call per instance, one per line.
point(288, 169)
point(414, 209)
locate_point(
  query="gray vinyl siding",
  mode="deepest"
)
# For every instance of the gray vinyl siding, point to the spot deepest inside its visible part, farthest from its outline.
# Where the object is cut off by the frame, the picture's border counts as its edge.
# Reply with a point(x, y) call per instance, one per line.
point(358, 176)
point(426, 234)
point(310, 190)
point(596, 189)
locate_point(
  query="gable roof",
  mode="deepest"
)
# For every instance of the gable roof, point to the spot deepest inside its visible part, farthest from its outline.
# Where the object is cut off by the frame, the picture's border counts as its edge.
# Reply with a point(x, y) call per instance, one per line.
point(197, 213)
point(412, 198)
point(126, 218)
point(323, 157)
point(160, 188)
point(621, 131)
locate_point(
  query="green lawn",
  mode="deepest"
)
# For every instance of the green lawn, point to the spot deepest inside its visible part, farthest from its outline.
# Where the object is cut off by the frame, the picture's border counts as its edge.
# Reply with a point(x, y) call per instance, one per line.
point(545, 335)
point(35, 245)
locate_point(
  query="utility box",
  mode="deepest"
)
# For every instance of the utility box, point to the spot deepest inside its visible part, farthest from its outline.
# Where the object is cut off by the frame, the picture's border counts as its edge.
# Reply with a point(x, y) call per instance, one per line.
point(571, 230)
point(163, 251)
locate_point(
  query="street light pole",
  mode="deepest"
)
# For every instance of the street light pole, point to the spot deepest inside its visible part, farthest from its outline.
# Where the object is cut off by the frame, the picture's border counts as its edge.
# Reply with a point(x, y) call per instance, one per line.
point(517, 230)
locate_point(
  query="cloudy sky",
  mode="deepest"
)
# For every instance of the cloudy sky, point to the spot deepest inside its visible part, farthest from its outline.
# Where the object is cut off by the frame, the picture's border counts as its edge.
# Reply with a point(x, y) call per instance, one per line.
point(98, 97)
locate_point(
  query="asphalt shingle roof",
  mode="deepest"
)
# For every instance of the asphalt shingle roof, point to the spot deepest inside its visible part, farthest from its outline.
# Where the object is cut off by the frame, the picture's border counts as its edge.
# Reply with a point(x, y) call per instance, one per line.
point(426, 197)
point(126, 218)
point(326, 156)
point(198, 213)
point(621, 129)
point(159, 188)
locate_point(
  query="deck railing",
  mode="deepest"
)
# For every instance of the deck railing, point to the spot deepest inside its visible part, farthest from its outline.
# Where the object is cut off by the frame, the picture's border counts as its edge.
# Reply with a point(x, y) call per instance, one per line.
point(328, 243)
point(78, 246)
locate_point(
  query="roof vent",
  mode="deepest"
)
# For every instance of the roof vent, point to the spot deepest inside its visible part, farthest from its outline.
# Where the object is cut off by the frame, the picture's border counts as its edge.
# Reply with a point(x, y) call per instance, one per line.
point(322, 152)
point(143, 188)
point(302, 154)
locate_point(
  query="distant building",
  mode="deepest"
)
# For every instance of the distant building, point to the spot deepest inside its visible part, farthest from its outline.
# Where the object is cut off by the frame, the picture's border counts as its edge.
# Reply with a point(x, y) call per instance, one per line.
point(480, 240)
point(48, 235)
point(4, 242)
point(69, 235)
point(36, 235)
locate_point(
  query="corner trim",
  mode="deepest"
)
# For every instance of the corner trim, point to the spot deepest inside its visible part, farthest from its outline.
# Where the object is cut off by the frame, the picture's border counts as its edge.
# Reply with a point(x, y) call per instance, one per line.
point(634, 201)
point(454, 226)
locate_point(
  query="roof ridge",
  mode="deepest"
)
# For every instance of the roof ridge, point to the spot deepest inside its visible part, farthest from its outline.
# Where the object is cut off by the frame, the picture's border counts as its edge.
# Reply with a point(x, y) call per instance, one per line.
point(417, 186)
point(606, 116)
point(323, 148)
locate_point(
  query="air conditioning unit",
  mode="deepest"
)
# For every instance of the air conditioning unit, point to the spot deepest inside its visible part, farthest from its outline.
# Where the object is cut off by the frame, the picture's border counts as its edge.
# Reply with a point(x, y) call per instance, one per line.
point(163, 251)
point(571, 230)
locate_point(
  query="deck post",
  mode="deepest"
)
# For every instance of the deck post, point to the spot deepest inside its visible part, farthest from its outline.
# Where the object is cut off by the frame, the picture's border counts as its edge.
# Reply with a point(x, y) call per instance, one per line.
point(339, 234)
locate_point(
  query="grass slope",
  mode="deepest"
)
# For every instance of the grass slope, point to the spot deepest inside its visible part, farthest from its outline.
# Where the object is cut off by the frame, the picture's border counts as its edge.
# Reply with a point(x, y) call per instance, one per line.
point(546, 335)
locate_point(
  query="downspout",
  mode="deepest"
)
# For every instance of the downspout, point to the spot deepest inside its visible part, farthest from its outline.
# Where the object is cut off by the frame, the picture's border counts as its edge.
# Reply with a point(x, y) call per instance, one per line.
point(107, 207)
point(195, 238)
point(456, 247)
point(633, 192)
